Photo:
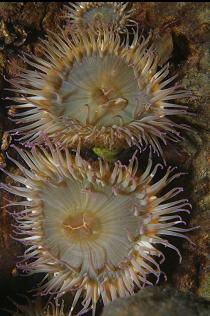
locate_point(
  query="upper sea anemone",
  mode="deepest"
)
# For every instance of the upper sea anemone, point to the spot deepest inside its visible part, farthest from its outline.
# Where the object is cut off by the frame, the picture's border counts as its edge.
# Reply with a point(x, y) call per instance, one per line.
point(115, 15)
point(98, 90)
point(93, 228)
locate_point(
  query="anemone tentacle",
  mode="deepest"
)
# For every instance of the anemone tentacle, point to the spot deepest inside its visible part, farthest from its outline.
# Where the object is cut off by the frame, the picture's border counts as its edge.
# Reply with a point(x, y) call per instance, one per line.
point(36, 308)
point(93, 228)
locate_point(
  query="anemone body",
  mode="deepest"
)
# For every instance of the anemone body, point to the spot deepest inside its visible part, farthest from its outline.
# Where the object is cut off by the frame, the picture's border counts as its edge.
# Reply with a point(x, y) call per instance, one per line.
point(36, 308)
point(115, 15)
point(99, 91)
point(93, 228)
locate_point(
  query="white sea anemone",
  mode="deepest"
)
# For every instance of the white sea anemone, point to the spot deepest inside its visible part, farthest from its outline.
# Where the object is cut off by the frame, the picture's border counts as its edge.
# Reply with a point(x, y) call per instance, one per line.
point(99, 91)
point(115, 15)
point(91, 227)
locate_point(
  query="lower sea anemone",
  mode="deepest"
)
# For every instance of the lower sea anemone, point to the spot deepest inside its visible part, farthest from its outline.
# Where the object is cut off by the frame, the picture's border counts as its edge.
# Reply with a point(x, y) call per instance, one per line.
point(98, 90)
point(92, 228)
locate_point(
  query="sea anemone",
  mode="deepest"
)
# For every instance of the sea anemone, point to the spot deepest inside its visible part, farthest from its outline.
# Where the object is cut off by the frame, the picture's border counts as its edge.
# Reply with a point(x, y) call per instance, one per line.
point(115, 15)
point(93, 228)
point(36, 308)
point(99, 91)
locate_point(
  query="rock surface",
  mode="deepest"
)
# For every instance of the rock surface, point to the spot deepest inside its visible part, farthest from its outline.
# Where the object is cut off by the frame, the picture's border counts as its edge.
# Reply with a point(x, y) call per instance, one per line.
point(158, 301)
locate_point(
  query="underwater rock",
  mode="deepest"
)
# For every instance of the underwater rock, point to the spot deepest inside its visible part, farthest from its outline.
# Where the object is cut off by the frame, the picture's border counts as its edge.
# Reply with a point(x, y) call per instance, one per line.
point(159, 301)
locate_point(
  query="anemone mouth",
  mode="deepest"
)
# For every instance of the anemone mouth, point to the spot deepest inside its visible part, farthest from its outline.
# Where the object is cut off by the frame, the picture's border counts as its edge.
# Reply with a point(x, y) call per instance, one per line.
point(115, 15)
point(97, 91)
point(93, 228)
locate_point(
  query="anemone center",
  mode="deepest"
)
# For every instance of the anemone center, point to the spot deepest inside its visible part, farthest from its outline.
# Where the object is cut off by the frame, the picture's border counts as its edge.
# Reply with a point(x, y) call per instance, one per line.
point(88, 230)
point(81, 226)
point(100, 14)
point(101, 91)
